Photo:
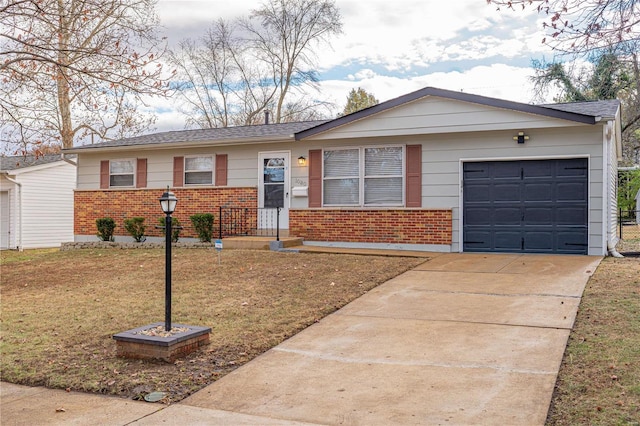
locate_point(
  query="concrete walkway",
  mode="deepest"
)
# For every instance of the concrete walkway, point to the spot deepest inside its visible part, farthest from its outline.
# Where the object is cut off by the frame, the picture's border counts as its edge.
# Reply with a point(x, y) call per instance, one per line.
point(461, 339)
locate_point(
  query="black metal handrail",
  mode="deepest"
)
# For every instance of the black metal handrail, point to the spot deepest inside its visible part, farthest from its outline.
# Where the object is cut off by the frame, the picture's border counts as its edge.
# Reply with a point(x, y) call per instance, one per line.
point(246, 221)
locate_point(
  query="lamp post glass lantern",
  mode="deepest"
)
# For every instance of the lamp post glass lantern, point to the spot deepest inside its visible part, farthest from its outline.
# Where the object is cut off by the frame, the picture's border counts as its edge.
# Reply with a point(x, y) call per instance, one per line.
point(168, 203)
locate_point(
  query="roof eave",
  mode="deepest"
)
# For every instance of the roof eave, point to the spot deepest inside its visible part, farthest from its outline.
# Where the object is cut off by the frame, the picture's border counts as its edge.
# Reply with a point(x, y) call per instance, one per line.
point(170, 145)
point(448, 94)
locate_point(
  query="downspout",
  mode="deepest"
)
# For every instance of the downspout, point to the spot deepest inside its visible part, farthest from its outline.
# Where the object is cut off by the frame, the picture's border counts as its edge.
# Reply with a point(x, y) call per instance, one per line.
point(609, 160)
point(64, 158)
point(19, 238)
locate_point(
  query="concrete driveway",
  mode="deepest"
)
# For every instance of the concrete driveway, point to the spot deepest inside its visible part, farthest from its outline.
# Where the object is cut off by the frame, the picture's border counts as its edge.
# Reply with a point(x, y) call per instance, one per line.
point(462, 339)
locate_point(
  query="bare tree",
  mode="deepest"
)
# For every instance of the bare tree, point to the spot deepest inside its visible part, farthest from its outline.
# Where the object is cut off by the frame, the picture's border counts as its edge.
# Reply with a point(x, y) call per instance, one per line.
point(74, 69)
point(240, 69)
point(220, 82)
point(584, 25)
point(286, 38)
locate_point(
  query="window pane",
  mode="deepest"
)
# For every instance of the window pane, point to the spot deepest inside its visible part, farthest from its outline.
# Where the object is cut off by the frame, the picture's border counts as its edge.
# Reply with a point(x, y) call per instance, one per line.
point(198, 164)
point(273, 175)
point(342, 192)
point(341, 163)
point(383, 191)
point(121, 180)
point(273, 196)
point(198, 178)
point(119, 167)
point(383, 161)
point(274, 162)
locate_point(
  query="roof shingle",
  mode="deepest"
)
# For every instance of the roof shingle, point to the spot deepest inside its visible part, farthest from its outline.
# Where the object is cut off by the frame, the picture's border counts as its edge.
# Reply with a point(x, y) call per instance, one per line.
point(22, 161)
point(276, 131)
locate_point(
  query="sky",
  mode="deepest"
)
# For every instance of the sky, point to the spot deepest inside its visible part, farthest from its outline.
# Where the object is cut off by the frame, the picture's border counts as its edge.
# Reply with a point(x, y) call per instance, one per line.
point(391, 48)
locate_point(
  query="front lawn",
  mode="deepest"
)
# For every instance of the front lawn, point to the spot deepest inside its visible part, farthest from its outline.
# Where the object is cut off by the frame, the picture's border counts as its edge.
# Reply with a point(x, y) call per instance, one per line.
point(60, 309)
point(599, 380)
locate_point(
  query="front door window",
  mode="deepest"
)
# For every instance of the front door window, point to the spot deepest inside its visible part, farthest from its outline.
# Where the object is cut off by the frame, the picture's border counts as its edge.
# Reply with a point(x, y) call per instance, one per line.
point(273, 178)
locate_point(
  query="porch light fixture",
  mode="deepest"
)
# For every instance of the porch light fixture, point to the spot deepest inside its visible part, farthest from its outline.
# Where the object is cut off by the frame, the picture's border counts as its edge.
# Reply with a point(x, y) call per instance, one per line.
point(168, 203)
point(302, 161)
point(521, 137)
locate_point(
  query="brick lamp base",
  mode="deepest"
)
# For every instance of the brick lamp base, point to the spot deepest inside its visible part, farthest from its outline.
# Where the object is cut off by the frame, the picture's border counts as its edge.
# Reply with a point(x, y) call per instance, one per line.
point(134, 344)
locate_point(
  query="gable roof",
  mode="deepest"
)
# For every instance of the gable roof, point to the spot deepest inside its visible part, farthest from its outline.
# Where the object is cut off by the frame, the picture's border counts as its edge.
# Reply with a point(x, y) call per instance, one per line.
point(23, 161)
point(581, 112)
point(276, 131)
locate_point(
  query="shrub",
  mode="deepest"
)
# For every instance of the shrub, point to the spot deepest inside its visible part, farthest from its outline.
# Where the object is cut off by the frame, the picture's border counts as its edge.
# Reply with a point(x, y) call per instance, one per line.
point(203, 224)
point(135, 227)
point(105, 226)
point(175, 228)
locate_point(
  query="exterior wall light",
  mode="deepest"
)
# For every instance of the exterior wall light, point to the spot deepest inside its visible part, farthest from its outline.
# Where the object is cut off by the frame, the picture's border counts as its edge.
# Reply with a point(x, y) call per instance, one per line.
point(521, 137)
point(302, 161)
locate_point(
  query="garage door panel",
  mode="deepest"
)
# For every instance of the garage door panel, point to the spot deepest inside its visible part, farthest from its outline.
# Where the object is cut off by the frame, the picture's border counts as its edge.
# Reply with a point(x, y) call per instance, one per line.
point(539, 215)
point(539, 240)
point(540, 191)
point(572, 191)
point(578, 167)
point(478, 239)
point(572, 241)
point(537, 169)
point(479, 193)
point(504, 171)
point(571, 215)
point(506, 216)
point(538, 206)
point(506, 192)
point(507, 239)
point(478, 216)
point(475, 171)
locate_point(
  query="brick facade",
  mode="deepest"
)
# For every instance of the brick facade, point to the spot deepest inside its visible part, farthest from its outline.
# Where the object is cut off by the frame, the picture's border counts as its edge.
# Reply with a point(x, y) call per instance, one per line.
point(90, 205)
point(395, 226)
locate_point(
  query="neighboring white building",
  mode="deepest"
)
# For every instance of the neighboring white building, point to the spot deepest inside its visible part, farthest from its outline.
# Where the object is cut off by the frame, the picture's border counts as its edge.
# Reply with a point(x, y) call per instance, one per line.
point(36, 201)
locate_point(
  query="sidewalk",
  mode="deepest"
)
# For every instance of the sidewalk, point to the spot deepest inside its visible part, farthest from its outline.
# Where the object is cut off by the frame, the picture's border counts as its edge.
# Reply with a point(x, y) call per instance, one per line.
point(461, 339)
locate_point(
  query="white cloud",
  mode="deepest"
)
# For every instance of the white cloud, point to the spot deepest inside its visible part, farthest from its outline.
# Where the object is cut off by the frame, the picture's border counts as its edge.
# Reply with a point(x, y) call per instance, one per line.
point(472, 46)
point(497, 81)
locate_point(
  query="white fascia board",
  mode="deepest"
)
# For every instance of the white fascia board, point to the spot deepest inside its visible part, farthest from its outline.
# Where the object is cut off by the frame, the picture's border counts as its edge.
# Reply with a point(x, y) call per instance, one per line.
point(173, 145)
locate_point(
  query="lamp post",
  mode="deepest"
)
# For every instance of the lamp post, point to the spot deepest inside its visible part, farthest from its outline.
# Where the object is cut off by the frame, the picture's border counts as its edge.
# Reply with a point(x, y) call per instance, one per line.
point(168, 203)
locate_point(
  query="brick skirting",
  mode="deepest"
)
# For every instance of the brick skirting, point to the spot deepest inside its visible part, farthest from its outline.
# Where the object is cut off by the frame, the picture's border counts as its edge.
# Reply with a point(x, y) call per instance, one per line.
point(122, 204)
point(394, 226)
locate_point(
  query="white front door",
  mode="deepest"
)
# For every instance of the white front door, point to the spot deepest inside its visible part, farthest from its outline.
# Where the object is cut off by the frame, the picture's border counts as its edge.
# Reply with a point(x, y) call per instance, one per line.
point(273, 190)
point(4, 220)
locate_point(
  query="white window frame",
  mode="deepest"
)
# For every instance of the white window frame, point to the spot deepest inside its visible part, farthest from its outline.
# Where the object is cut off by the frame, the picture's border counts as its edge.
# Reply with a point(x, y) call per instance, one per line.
point(213, 170)
point(362, 178)
point(134, 163)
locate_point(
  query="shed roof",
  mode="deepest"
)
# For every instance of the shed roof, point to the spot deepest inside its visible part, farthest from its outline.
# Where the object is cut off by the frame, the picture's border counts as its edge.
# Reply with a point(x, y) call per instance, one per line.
point(22, 161)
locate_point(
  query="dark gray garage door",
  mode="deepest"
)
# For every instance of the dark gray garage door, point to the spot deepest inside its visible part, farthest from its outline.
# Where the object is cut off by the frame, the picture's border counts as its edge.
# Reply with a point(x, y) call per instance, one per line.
point(526, 206)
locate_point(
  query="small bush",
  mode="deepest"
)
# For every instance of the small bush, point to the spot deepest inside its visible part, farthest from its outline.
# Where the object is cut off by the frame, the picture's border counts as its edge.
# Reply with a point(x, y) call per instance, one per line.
point(105, 226)
point(135, 227)
point(175, 228)
point(203, 224)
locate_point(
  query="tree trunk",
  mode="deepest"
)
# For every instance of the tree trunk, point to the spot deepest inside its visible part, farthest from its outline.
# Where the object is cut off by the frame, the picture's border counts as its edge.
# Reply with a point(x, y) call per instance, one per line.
point(64, 100)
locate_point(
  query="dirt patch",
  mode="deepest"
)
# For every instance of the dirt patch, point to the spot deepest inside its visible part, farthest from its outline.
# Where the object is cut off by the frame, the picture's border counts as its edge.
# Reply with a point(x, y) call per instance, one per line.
point(60, 310)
